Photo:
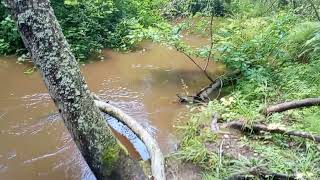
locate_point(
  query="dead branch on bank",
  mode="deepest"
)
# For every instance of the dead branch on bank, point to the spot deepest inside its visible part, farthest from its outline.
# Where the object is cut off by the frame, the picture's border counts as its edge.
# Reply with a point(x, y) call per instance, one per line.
point(291, 105)
point(261, 173)
point(203, 95)
point(257, 128)
point(157, 159)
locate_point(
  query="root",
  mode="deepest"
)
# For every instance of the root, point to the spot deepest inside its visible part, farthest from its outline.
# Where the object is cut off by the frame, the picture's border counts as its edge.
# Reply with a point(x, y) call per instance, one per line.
point(157, 159)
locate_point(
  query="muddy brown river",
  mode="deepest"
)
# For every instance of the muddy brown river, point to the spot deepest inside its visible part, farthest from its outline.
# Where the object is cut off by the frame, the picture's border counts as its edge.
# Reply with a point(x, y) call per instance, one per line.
point(34, 142)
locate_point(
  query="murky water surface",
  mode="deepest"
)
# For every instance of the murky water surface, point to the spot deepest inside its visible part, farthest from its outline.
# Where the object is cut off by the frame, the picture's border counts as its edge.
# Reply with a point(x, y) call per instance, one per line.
point(36, 145)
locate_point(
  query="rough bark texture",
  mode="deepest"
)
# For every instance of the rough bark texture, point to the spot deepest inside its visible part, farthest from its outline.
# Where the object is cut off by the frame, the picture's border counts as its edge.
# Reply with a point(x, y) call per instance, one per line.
point(52, 56)
point(291, 105)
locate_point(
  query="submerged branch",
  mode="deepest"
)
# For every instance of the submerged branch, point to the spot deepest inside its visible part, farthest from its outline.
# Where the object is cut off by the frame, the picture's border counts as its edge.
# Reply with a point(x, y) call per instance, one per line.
point(217, 84)
point(291, 105)
point(157, 160)
point(256, 128)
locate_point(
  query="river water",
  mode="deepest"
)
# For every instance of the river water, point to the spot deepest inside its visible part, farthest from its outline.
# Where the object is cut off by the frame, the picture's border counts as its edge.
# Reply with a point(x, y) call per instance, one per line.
point(36, 145)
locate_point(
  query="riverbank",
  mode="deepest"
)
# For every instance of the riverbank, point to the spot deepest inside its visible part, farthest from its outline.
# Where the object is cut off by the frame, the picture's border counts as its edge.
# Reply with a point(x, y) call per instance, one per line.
point(143, 83)
point(266, 49)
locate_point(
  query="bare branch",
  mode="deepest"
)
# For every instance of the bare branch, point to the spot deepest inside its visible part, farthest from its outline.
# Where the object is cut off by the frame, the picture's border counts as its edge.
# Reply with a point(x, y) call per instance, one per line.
point(256, 128)
point(211, 43)
point(291, 105)
point(194, 62)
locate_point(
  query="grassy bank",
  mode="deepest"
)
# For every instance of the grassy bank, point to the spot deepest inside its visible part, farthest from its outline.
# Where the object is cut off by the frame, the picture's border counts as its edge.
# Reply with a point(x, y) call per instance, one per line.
point(278, 56)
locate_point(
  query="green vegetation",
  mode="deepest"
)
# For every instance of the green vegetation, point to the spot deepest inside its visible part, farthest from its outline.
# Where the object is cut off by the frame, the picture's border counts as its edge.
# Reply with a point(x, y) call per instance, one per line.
point(278, 55)
point(90, 25)
point(275, 45)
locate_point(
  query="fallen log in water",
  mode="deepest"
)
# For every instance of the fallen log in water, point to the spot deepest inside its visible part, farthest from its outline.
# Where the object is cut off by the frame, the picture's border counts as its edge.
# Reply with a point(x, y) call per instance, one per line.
point(157, 159)
point(203, 95)
point(291, 105)
point(256, 128)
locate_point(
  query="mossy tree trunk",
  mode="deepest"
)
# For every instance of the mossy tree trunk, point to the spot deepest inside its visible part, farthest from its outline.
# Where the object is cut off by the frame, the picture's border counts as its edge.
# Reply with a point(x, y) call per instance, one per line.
point(51, 54)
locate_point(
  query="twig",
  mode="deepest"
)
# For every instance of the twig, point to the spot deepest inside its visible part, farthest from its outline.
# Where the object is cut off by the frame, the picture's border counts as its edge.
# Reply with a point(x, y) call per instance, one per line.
point(256, 128)
point(194, 62)
point(314, 9)
point(291, 105)
point(270, 7)
point(157, 159)
point(211, 43)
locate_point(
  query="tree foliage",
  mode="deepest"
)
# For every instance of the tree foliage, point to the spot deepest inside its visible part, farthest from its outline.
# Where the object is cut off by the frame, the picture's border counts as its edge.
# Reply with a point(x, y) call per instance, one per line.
point(90, 25)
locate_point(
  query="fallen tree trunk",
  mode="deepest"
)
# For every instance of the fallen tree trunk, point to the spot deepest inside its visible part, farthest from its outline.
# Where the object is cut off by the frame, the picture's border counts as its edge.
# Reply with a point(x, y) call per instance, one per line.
point(291, 105)
point(256, 128)
point(157, 160)
point(203, 95)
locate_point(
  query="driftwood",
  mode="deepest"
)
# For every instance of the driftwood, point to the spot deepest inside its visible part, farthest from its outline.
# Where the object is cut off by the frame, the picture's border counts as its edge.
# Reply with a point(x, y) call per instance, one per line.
point(203, 95)
point(256, 128)
point(291, 105)
point(157, 159)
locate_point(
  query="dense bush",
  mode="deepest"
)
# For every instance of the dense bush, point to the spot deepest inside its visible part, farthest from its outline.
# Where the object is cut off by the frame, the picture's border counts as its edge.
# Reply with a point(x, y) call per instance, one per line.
point(176, 8)
point(304, 41)
point(90, 25)
point(278, 55)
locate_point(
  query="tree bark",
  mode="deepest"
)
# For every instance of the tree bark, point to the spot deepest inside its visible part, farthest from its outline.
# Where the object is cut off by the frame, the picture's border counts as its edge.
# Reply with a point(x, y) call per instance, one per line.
point(51, 54)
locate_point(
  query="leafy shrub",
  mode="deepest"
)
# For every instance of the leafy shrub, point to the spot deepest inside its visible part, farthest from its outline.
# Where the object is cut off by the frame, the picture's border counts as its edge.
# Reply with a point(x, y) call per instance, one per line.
point(304, 41)
point(191, 7)
point(253, 43)
point(91, 25)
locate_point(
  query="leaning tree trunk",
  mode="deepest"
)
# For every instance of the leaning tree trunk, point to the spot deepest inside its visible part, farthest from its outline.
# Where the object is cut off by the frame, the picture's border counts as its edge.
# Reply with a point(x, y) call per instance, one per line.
point(51, 54)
